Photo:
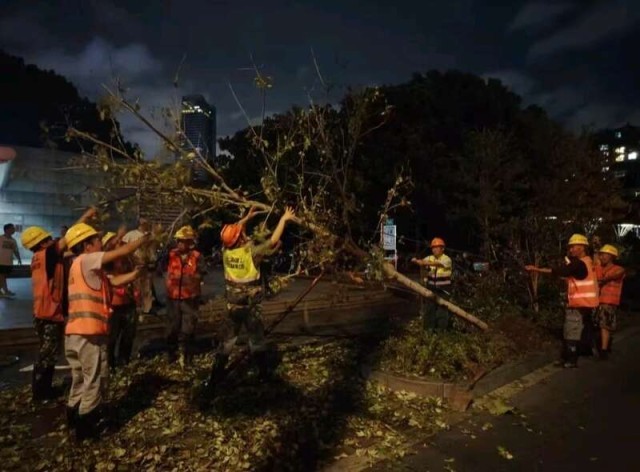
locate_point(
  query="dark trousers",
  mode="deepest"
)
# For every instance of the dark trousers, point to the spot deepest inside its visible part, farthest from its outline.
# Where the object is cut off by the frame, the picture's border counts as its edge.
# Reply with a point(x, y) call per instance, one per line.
point(183, 317)
point(50, 340)
point(122, 333)
point(435, 317)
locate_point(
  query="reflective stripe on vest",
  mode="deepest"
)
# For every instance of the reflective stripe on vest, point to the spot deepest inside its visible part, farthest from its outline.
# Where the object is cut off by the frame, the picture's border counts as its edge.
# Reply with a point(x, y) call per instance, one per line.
point(47, 293)
point(439, 276)
point(238, 265)
point(583, 293)
point(183, 280)
point(89, 309)
point(611, 291)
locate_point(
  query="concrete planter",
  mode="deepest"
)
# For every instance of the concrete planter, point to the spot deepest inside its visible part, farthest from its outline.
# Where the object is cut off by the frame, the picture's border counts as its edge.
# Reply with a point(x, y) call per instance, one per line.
point(458, 395)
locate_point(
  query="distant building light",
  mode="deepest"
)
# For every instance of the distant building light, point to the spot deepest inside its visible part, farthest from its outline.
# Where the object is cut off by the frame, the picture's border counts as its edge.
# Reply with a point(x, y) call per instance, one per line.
point(604, 147)
point(605, 169)
point(619, 174)
point(550, 217)
point(620, 150)
point(632, 156)
point(618, 134)
point(620, 158)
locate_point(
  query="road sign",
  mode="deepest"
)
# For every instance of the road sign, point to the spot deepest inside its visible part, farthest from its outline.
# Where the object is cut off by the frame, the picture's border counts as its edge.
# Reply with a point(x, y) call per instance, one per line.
point(389, 237)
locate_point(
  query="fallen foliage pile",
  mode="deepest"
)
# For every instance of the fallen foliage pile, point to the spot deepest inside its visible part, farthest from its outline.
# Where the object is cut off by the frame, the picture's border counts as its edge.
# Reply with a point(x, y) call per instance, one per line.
point(317, 409)
point(451, 355)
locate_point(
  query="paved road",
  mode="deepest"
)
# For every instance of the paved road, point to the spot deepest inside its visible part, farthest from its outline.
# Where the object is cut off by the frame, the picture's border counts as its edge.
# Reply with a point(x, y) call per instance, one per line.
point(580, 419)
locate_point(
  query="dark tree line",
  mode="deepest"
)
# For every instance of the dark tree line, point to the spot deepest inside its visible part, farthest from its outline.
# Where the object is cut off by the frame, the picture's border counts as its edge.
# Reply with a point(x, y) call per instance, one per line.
point(486, 171)
point(38, 106)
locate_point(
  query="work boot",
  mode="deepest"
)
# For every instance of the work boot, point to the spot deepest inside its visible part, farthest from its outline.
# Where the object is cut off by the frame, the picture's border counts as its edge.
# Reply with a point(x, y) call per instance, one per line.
point(267, 362)
point(563, 355)
point(86, 426)
point(41, 389)
point(72, 416)
point(572, 355)
point(184, 357)
point(218, 370)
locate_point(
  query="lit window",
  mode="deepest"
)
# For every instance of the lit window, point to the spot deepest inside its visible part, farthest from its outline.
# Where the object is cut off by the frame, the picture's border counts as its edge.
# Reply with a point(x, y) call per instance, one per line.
point(620, 150)
point(620, 158)
point(633, 156)
point(604, 147)
point(605, 169)
point(618, 134)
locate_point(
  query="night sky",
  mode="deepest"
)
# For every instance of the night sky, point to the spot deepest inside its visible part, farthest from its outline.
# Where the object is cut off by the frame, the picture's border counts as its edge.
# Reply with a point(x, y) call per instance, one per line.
point(577, 59)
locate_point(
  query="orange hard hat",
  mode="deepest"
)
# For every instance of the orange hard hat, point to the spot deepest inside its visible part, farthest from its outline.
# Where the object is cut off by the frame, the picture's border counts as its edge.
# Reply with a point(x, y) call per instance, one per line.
point(230, 234)
point(435, 242)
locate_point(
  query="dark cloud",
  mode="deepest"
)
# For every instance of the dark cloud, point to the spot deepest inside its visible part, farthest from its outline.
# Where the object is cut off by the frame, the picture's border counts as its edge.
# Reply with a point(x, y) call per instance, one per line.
point(539, 15)
point(551, 53)
point(595, 25)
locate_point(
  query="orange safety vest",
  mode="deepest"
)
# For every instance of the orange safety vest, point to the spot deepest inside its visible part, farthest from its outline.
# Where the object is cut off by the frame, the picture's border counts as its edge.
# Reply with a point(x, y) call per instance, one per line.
point(583, 293)
point(611, 291)
point(47, 293)
point(183, 279)
point(121, 296)
point(89, 309)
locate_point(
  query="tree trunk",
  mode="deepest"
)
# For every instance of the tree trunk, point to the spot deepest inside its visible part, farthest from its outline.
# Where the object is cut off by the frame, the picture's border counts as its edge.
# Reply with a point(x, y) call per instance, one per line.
point(392, 273)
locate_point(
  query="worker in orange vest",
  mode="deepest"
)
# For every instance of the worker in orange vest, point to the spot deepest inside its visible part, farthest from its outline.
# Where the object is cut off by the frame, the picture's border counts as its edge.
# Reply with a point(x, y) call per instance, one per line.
point(610, 278)
point(86, 333)
point(124, 318)
point(49, 303)
point(185, 270)
point(582, 295)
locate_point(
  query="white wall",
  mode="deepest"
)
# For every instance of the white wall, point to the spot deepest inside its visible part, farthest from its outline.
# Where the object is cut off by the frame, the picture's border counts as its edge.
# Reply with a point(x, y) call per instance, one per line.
point(39, 193)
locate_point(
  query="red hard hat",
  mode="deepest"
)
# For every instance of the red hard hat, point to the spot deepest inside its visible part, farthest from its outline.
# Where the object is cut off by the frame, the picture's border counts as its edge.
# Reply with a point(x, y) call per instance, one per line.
point(435, 242)
point(230, 234)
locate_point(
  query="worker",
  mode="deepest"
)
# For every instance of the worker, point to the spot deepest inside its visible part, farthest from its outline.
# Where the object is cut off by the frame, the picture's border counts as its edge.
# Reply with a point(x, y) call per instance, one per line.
point(86, 333)
point(185, 270)
point(145, 256)
point(123, 319)
point(582, 295)
point(610, 278)
point(244, 293)
point(437, 279)
point(49, 304)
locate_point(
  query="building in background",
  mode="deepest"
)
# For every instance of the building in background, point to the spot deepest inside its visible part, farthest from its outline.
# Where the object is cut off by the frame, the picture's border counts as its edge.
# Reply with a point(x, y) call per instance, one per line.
point(198, 121)
point(621, 147)
point(37, 187)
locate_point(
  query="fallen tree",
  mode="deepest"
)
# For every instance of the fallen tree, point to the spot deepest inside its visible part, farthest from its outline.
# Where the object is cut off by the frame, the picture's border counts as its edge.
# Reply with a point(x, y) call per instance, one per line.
point(307, 156)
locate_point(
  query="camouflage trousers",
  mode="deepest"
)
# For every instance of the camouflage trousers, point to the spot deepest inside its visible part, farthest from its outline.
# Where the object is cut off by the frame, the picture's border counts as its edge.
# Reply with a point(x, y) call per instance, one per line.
point(183, 317)
point(248, 317)
point(50, 341)
point(605, 317)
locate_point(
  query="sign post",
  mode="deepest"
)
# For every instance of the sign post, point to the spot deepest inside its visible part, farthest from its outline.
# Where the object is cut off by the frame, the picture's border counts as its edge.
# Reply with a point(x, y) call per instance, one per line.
point(389, 239)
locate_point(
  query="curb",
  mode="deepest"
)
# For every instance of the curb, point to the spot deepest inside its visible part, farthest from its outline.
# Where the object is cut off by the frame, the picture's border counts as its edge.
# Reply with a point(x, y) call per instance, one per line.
point(505, 380)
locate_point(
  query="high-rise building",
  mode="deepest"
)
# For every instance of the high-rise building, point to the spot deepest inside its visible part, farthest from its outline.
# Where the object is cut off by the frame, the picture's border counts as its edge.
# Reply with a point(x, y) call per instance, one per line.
point(620, 148)
point(198, 120)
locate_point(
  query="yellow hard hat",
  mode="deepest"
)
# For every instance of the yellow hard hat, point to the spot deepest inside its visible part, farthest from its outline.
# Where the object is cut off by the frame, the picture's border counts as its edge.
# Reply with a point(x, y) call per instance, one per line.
point(78, 233)
point(578, 239)
point(186, 232)
point(107, 237)
point(609, 249)
point(33, 235)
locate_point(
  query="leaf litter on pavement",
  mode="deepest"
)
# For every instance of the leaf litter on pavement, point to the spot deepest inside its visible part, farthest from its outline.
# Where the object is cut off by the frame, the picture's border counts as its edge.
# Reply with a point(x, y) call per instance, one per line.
point(317, 409)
